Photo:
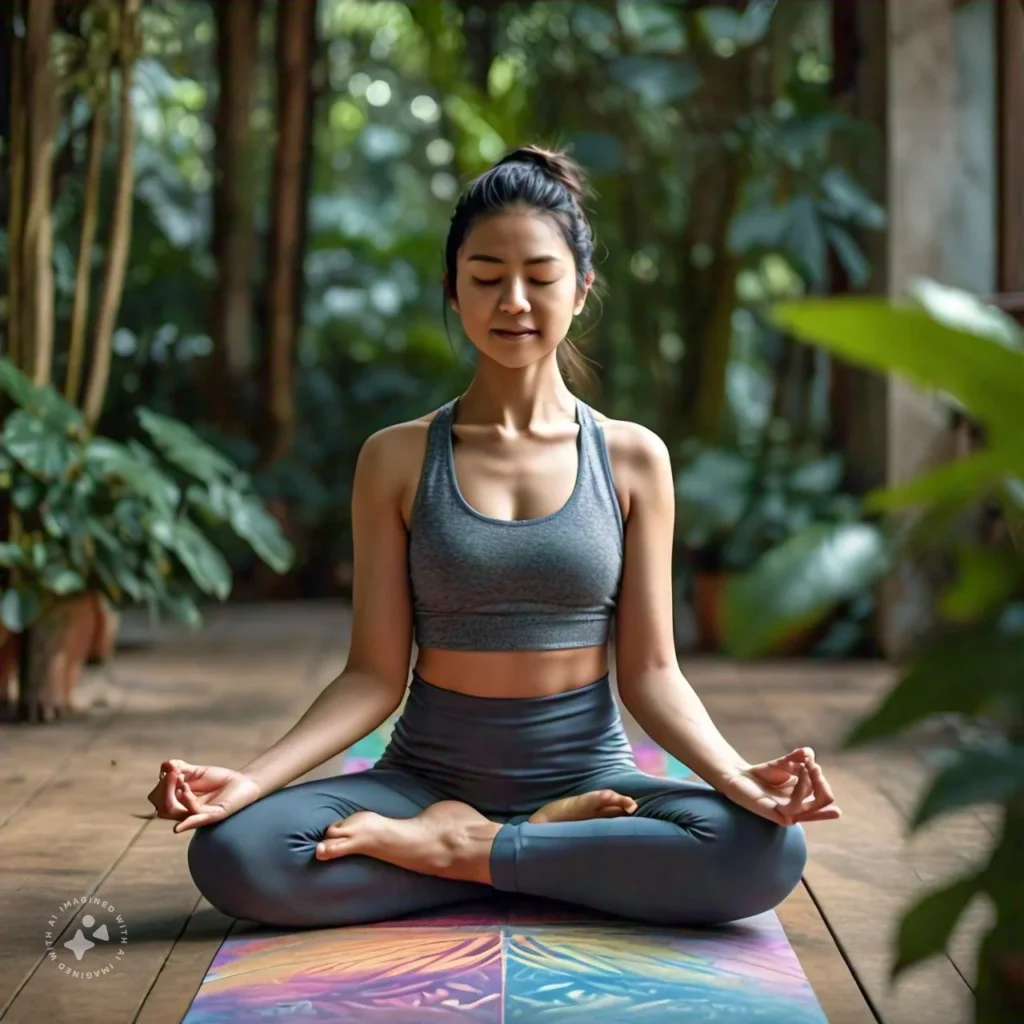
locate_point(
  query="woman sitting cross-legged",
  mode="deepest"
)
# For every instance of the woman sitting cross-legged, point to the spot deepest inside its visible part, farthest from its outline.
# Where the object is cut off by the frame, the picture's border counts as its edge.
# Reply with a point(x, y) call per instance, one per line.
point(508, 532)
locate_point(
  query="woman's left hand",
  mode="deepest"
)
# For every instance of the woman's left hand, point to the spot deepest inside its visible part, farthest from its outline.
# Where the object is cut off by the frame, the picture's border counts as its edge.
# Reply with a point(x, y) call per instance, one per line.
point(789, 790)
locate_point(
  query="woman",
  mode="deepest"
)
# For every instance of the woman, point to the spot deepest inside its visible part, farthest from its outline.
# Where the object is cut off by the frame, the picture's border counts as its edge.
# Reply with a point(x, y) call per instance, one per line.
point(505, 533)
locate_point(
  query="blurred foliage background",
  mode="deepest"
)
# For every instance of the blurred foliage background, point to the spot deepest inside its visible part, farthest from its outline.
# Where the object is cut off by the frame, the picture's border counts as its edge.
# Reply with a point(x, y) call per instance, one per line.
point(295, 166)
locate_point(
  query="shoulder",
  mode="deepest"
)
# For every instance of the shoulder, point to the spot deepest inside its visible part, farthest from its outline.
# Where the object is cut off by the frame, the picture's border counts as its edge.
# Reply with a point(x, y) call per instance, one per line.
point(640, 460)
point(390, 459)
point(633, 447)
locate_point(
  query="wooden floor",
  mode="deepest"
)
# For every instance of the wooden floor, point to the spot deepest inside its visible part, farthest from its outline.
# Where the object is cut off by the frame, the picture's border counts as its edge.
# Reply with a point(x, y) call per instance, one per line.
point(70, 793)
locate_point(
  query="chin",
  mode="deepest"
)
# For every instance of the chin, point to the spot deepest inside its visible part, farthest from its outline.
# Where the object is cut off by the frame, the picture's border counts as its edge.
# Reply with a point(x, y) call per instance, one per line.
point(517, 354)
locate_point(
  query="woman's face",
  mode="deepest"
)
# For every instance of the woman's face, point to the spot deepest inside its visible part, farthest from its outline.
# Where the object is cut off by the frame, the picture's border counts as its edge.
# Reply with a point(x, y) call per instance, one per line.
point(516, 287)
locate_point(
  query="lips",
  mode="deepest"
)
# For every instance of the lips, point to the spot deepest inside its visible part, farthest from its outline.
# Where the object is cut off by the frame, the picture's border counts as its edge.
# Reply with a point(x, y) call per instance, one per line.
point(519, 332)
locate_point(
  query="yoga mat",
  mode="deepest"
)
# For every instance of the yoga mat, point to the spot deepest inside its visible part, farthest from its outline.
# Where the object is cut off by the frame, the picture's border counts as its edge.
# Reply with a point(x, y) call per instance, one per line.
point(508, 959)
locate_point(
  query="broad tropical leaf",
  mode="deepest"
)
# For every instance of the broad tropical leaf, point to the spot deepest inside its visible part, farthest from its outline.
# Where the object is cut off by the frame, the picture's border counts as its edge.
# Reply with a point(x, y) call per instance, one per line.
point(797, 583)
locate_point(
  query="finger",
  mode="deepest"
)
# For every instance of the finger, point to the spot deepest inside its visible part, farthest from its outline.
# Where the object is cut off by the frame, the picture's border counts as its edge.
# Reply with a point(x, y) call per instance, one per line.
point(188, 798)
point(169, 798)
point(829, 813)
point(821, 783)
point(195, 821)
point(821, 792)
point(801, 791)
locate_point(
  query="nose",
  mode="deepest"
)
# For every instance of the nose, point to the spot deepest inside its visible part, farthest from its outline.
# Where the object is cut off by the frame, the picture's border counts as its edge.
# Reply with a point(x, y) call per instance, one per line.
point(513, 297)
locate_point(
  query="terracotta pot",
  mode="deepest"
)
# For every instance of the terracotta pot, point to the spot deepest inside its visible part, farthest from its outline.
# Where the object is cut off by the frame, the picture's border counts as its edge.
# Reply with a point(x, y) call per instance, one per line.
point(708, 591)
point(58, 645)
point(708, 597)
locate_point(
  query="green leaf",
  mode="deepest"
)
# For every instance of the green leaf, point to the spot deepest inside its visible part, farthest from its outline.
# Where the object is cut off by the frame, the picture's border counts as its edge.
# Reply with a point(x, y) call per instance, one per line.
point(117, 463)
point(658, 80)
point(927, 926)
point(253, 523)
point(849, 253)
point(61, 580)
point(42, 403)
point(183, 609)
point(797, 583)
point(183, 446)
point(983, 775)
point(850, 201)
point(962, 480)
point(805, 240)
point(11, 554)
point(986, 377)
point(964, 311)
point(985, 579)
point(204, 563)
point(948, 677)
point(42, 450)
point(19, 609)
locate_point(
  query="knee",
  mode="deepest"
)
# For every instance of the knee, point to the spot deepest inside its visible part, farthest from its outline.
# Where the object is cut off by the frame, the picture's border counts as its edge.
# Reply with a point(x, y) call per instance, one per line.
point(749, 864)
point(763, 862)
point(219, 862)
point(244, 872)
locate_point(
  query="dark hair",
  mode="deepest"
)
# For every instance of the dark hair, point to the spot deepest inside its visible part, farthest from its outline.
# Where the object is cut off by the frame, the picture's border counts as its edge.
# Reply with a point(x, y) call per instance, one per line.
point(547, 181)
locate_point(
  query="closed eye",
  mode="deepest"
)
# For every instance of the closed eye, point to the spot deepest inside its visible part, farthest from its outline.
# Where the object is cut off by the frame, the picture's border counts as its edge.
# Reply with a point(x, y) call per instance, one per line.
point(497, 280)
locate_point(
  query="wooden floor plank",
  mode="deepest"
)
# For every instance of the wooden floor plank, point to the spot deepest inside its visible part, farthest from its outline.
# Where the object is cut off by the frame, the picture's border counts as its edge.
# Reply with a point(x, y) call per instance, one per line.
point(841, 999)
point(864, 872)
point(133, 863)
point(237, 686)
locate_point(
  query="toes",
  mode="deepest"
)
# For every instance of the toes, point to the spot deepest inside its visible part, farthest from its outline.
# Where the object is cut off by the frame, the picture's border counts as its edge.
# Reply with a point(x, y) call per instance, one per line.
point(617, 800)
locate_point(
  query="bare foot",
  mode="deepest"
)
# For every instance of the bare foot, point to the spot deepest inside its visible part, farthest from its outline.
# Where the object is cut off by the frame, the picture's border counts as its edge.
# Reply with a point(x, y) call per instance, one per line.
point(602, 803)
point(449, 839)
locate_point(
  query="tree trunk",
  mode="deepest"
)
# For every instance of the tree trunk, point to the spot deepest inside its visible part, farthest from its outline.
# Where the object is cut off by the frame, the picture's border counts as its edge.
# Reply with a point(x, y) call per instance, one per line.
point(120, 228)
point(16, 146)
point(40, 99)
point(231, 316)
point(80, 309)
point(295, 34)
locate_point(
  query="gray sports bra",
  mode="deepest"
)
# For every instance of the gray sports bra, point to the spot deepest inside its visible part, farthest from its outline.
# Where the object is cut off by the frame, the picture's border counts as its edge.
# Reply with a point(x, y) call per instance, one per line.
point(483, 584)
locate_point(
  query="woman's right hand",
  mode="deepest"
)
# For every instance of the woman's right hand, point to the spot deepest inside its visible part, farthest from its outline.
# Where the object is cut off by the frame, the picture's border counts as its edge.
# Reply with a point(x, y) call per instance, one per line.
point(197, 794)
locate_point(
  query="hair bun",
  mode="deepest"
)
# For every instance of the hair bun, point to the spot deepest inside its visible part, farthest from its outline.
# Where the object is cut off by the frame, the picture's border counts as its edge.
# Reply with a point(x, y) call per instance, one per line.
point(557, 165)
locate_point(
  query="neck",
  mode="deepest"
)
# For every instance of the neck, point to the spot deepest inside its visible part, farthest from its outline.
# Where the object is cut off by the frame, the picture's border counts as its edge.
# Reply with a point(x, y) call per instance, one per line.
point(517, 398)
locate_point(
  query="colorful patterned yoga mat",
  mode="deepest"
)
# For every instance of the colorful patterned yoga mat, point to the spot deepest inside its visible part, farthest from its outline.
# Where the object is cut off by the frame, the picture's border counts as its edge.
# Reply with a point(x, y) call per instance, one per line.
point(509, 959)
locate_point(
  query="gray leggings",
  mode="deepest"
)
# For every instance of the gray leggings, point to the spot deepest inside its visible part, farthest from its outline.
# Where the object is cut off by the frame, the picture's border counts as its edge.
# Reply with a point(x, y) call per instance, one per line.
point(687, 856)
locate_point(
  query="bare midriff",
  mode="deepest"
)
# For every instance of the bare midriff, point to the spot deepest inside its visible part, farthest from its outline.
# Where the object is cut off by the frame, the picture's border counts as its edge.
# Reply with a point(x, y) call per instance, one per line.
point(512, 673)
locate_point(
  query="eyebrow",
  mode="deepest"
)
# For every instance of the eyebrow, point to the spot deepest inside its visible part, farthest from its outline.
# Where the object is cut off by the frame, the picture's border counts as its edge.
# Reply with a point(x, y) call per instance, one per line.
point(485, 258)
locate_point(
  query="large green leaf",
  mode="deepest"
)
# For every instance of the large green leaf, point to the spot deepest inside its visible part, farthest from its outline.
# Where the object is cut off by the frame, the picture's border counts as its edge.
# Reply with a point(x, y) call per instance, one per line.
point(42, 449)
point(927, 926)
point(986, 577)
point(962, 310)
point(253, 523)
point(19, 609)
point(59, 579)
point(986, 377)
point(204, 563)
point(43, 403)
point(984, 775)
point(118, 463)
point(799, 582)
point(963, 480)
point(183, 446)
point(960, 672)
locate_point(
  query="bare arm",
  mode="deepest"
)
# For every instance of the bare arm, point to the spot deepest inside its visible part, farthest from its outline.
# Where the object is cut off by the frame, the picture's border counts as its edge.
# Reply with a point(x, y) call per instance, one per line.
point(373, 682)
point(650, 682)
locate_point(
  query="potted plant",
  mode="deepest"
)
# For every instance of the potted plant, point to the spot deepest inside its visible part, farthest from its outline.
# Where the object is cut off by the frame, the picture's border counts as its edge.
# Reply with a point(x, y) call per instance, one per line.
point(94, 520)
point(970, 664)
point(736, 504)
